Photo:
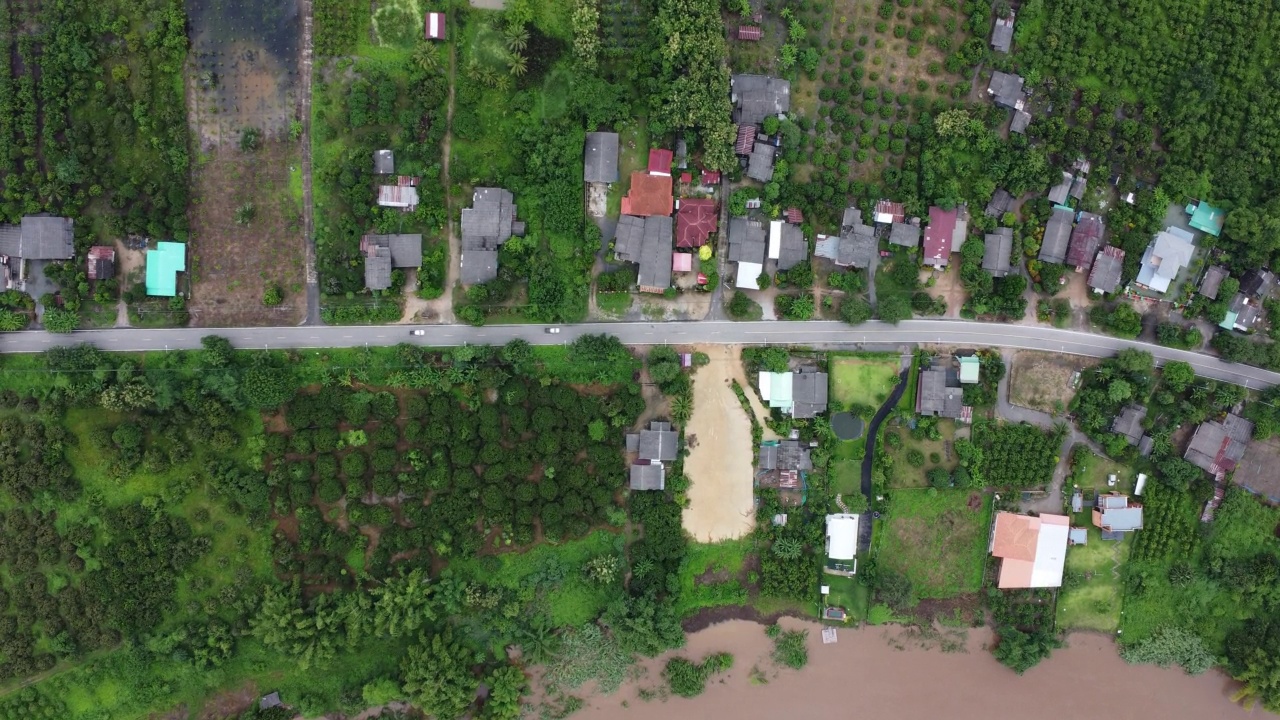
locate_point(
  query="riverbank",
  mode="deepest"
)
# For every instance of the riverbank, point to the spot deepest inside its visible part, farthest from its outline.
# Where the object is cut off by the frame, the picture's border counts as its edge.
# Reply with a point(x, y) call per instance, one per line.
point(893, 672)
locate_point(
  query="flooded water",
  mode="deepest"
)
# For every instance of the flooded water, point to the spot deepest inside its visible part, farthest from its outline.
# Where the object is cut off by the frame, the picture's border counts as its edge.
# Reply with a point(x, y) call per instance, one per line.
point(878, 674)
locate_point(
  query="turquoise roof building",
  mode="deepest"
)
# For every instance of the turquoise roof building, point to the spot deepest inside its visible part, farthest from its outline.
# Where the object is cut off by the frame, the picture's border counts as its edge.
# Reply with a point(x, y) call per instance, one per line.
point(1206, 218)
point(163, 265)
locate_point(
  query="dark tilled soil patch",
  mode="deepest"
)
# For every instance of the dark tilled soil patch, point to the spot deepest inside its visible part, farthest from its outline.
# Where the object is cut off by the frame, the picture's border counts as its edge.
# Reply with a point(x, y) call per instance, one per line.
point(704, 619)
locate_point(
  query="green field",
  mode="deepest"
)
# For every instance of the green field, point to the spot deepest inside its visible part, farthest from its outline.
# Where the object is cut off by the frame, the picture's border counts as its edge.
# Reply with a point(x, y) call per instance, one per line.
point(1091, 593)
point(936, 539)
point(846, 466)
point(904, 474)
point(848, 593)
point(864, 381)
point(712, 576)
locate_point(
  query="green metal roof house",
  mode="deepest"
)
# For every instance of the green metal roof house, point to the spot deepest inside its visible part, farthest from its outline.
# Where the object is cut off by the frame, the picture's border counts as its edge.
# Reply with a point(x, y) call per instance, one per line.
point(163, 265)
point(1206, 218)
point(970, 366)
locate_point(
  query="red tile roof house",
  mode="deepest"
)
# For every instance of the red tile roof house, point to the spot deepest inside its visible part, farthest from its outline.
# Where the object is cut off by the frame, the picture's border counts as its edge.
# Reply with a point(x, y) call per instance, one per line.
point(794, 216)
point(696, 219)
point(660, 162)
point(649, 195)
point(1086, 238)
point(710, 177)
point(938, 236)
point(433, 26)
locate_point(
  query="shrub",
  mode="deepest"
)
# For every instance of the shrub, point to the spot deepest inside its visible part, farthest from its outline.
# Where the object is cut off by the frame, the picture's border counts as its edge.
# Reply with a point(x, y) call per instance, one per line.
point(789, 648)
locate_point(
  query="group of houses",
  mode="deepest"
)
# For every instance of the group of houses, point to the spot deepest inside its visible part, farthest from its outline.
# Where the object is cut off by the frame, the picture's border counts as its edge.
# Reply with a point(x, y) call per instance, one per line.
point(1006, 91)
point(384, 254)
point(940, 386)
point(1033, 548)
point(1172, 248)
point(756, 98)
point(858, 243)
point(1246, 306)
point(644, 234)
point(1075, 239)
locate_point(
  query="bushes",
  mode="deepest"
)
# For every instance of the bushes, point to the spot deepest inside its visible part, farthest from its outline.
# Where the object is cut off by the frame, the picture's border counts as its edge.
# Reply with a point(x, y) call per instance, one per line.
point(742, 307)
point(687, 679)
point(789, 648)
point(1171, 646)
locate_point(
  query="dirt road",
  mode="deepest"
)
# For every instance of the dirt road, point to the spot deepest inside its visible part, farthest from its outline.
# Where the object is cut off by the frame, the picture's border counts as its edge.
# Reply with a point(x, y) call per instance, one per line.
point(721, 499)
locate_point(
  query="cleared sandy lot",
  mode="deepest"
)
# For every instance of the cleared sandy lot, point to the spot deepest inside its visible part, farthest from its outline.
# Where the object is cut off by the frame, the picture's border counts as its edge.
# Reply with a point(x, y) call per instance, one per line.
point(721, 503)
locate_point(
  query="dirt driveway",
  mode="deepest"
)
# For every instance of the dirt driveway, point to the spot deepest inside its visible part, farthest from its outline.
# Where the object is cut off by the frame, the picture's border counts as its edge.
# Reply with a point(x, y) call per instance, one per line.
point(721, 496)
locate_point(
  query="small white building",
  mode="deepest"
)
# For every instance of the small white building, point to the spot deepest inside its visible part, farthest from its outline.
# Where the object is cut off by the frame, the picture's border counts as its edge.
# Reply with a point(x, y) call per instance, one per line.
point(842, 543)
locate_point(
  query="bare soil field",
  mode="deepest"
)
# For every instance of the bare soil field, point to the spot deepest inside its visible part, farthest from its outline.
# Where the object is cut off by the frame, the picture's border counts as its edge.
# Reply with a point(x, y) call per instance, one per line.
point(1040, 380)
point(721, 494)
point(869, 671)
point(233, 264)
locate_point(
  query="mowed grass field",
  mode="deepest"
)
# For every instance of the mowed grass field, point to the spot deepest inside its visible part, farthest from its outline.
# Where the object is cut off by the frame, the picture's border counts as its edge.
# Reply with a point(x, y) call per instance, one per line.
point(937, 539)
point(862, 380)
point(1090, 598)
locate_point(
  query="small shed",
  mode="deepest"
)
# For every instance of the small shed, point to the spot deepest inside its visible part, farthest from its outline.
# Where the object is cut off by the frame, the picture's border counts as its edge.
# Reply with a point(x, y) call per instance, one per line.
point(384, 162)
point(101, 263)
point(269, 701)
point(746, 32)
point(433, 26)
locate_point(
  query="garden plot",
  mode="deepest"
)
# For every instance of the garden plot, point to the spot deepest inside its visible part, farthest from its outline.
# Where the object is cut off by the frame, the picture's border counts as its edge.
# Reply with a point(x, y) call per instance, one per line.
point(398, 23)
point(937, 539)
point(1043, 381)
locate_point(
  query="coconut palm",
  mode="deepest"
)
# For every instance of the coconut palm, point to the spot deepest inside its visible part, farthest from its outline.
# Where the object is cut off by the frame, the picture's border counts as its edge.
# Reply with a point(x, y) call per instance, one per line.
point(426, 57)
point(519, 66)
point(517, 39)
point(681, 408)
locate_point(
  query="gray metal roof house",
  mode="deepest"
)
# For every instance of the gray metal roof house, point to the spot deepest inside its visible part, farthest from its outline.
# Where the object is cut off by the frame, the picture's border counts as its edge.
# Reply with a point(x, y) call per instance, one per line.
point(756, 97)
point(1006, 90)
point(1021, 119)
point(748, 240)
point(646, 241)
point(760, 162)
point(1058, 193)
point(784, 455)
point(996, 251)
point(1002, 34)
point(904, 234)
point(1213, 278)
point(384, 162)
point(1129, 423)
point(384, 252)
point(1255, 283)
point(793, 249)
point(655, 445)
point(1057, 235)
point(486, 225)
point(808, 394)
point(940, 394)
point(1107, 269)
point(600, 158)
point(1218, 446)
point(647, 475)
point(1116, 514)
point(1000, 203)
point(39, 237)
point(855, 245)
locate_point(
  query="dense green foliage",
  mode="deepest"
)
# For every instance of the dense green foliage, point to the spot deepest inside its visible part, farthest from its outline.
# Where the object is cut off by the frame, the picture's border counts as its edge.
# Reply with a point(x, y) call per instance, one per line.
point(689, 679)
point(1011, 456)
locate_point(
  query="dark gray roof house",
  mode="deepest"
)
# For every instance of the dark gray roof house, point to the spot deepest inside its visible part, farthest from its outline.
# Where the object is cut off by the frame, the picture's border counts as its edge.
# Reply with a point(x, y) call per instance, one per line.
point(1077, 187)
point(1002, 34)
point(855, 245)
point(646, 241)
point(1006, 90)
point(1000, 203)
point(1107, 269)
point(1218, 446)
point(904, 234)
point(384, 162)
point(658, 442)
point(784, 455)
point(486, 225)
point(384, 252)
point(1057, 235)
point(756, 97)
point(793, 249)
point(1021, 119)
point(748, 240)
point(1058, 193)
point(940, 394)
point(1129, 423)
point(1255, 283)
point(647, 475)
point(1213, 278)
point(600, 158)
point(808, 394)
point(760, 162)
point(269, 701)
point(39, 237)
point(996, 251)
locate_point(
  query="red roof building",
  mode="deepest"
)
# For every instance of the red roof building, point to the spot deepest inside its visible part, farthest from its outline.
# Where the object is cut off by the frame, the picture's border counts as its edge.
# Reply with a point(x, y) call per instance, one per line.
point(695, 221)
point(889, 212)
point(660, 161)
point(793, 215)
point(746, 32)
point(649, 195)
point(710, 177)
point(686, 178)
point(406, 181)
point(938, 236)
point(433, 26)
point(746, 140)
point(681, 262)
point(101, 263)
point(1086, 238)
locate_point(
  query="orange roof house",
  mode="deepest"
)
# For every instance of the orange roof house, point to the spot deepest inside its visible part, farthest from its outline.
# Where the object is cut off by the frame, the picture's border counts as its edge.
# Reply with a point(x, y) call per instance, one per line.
point(649, 195)
point(1033, 550)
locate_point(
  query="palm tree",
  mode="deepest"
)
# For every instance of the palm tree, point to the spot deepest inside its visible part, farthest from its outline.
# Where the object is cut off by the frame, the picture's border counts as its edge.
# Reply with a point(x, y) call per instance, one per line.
point(426, 57)
point(517, 39)
point(681, 409)
point(519, 66)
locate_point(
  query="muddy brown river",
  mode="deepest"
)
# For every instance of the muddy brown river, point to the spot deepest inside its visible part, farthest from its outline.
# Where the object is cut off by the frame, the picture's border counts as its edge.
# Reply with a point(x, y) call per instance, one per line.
point(880, 674)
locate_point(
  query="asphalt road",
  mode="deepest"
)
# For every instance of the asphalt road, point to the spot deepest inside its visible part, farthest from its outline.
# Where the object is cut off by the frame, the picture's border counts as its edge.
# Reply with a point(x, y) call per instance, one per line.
point(814, 333)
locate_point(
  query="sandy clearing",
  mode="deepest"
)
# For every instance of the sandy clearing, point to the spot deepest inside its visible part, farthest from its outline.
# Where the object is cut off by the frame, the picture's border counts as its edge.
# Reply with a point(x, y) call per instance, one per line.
point(887, 672)
point(721, 496)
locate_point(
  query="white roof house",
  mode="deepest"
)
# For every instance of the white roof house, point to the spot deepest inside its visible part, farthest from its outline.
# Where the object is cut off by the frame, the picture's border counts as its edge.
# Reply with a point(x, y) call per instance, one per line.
point(775, 239)
point(776, 389)
point(1033, 549)
point(749, 275)
point(1165, 256)
point(842, 536)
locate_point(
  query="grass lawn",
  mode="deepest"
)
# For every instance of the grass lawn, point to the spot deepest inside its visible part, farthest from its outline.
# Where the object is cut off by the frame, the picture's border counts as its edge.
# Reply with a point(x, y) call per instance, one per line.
point(1091, 600)
point(712, 576)
point(938, 539)
point(1090, 473)
point(863, 380)
point(848, 593)
point(633, 151)
point(904, 474)
point(846, 466)
point(614, 304)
